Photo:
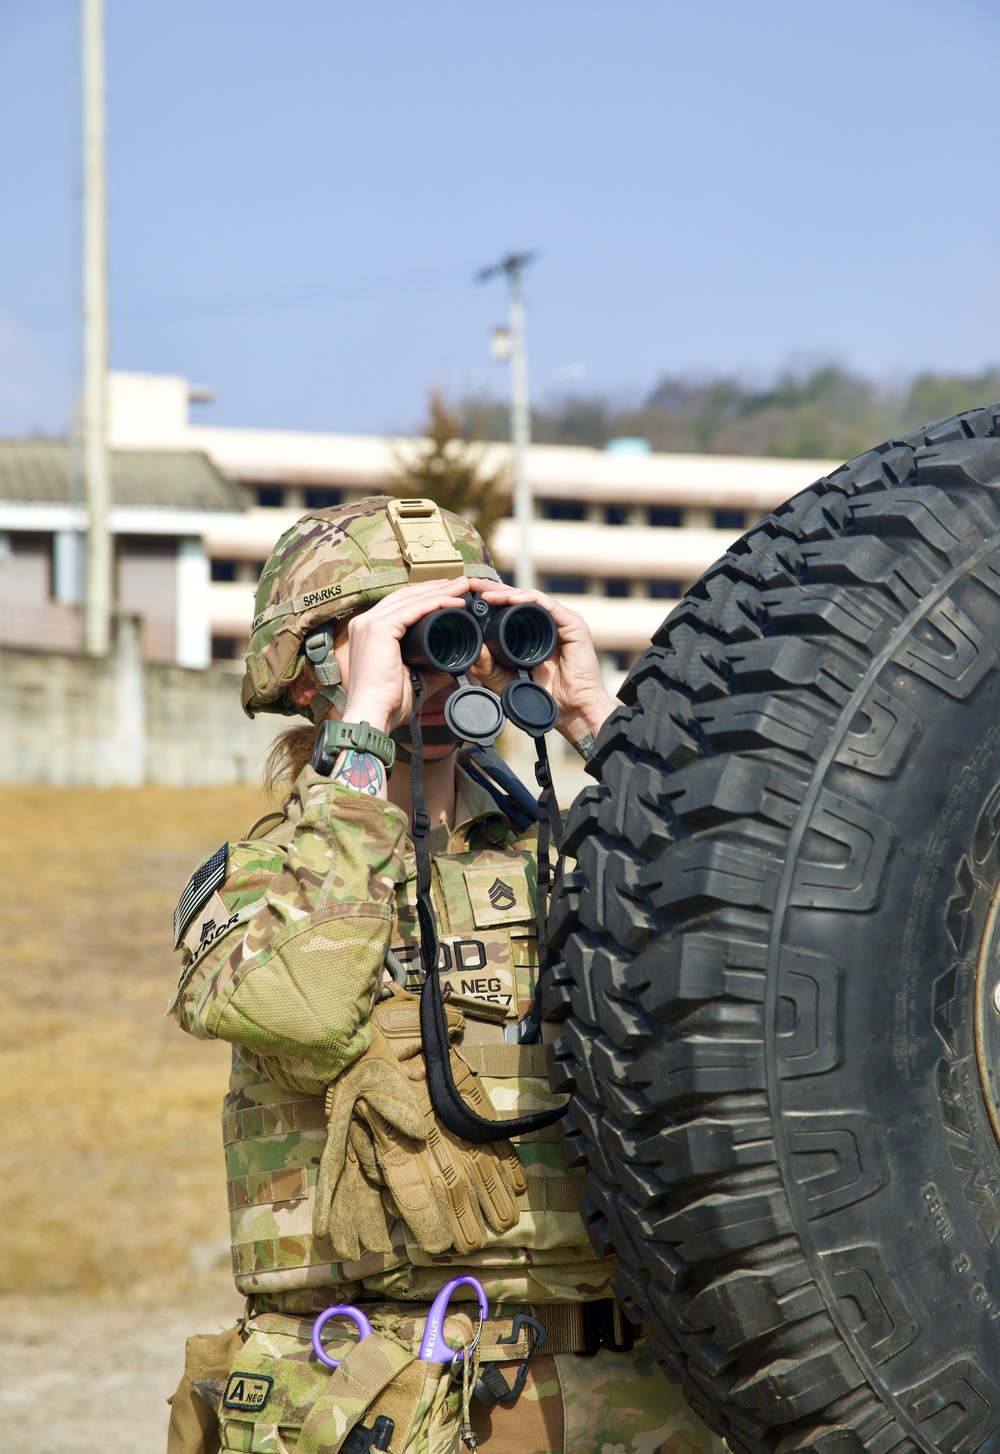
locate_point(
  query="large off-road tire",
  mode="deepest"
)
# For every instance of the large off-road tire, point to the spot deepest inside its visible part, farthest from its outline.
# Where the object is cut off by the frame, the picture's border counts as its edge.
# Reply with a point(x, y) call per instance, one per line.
point(782, 957)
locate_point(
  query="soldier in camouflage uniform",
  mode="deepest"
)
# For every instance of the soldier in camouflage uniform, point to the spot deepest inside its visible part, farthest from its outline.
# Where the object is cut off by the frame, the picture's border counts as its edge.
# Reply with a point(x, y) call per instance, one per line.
point(343, 1187)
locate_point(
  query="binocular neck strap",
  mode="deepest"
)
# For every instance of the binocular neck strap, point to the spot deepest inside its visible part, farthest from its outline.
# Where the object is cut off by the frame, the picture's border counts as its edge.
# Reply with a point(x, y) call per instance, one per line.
point(549, 831)
point(445, 1096)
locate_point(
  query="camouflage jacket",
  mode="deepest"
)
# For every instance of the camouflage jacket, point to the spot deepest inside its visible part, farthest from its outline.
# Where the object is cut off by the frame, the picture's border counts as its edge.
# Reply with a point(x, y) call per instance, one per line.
point(285, 959)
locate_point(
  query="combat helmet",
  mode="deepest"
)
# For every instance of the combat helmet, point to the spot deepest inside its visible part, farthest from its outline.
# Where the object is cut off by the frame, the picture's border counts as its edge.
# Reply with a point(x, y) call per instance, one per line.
point(337, 561)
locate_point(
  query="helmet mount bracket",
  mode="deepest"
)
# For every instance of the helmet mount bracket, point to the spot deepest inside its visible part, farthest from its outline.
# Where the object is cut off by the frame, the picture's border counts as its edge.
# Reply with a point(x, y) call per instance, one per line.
point(425, 542)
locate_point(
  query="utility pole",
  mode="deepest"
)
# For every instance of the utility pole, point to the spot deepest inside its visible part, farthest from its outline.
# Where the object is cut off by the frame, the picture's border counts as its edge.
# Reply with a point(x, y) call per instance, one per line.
point(520, 409)
point(97, 601)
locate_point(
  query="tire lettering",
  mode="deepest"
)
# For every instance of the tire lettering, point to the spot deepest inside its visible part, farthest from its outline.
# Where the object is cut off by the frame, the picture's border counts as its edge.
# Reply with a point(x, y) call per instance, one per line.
point(951, 1089)
point(946, 1010)
point(987, 832)
point(935, 1210)
point(978, 1191)
point(957, 916)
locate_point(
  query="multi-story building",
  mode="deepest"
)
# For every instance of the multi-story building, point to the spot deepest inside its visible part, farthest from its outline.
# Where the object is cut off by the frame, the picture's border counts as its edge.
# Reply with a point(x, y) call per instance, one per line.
point(164, 507)
point(618, 535)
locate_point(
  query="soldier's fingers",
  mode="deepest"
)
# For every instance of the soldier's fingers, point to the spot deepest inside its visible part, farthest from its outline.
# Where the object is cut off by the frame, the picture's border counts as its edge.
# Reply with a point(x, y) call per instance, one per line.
point(564, 616)
point(406, 606)
point(489, 672)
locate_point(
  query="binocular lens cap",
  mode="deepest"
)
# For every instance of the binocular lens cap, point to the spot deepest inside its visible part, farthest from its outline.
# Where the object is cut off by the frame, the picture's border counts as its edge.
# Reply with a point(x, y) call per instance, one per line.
point(529, 707)
point(474, 715)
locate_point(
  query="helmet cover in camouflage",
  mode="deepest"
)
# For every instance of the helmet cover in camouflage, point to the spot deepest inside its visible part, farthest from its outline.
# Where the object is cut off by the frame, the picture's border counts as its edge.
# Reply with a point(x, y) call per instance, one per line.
point(332, 563)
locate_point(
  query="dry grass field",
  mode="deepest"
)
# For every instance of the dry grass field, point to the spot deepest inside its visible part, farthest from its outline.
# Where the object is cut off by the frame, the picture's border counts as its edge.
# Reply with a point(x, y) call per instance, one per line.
point(113, 1170)
point(113, 1166)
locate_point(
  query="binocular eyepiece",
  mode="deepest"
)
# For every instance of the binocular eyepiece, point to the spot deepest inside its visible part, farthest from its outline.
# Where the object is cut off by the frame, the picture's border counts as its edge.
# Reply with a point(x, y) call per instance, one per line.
point(519, 637)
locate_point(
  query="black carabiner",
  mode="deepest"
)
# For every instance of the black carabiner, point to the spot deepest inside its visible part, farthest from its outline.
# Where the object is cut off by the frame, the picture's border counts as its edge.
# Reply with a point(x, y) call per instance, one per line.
point(491, 1386)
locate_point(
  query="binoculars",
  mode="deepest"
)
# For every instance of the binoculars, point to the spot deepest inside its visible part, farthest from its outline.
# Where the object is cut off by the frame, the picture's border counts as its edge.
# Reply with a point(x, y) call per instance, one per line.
point(518, 637)
point(452, 638)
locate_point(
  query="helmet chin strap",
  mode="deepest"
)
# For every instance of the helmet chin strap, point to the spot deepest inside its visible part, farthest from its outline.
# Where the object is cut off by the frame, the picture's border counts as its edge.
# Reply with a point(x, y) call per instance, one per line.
point(333, 696)
point(438, 736)
point(319, 651)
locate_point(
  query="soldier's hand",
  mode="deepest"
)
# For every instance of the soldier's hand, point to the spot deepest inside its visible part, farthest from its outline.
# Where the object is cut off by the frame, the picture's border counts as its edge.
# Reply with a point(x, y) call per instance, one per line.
point(572, 674)
point(377, 683)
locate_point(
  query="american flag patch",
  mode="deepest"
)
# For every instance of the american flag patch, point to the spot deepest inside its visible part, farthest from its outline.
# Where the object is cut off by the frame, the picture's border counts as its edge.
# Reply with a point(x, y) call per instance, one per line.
point(201, 885)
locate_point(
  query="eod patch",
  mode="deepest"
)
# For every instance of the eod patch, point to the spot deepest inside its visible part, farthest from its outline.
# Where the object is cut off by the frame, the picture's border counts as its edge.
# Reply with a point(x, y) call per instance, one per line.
point(247, 1391)
point(479, 968)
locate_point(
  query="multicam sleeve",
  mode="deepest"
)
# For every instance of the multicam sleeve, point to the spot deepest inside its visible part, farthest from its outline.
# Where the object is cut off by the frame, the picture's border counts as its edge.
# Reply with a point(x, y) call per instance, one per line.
point(295, 970)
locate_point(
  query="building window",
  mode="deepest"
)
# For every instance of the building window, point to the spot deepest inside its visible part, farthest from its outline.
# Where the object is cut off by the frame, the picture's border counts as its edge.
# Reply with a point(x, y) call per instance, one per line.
point(223, 570)
point(563, 510)
point(668, 515)
point(618, 515)
point(272, 497)
point(565, 585)
point(666, 590)
point(615, 586)
point(225, 648)
point(730, 520)
point(622, 660)
point(321, 497)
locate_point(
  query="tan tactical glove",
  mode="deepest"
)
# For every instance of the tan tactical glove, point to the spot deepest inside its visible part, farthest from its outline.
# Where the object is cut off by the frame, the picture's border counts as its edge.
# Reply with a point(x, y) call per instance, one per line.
point(348, 1206)
point(448, 1191)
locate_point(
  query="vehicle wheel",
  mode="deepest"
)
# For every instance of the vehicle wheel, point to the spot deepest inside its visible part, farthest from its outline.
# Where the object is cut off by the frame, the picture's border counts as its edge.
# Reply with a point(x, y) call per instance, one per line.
point(781, 976)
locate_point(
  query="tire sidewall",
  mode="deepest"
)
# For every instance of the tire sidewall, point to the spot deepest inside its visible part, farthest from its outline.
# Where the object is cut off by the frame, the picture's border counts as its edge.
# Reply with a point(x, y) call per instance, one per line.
point(889, 1150)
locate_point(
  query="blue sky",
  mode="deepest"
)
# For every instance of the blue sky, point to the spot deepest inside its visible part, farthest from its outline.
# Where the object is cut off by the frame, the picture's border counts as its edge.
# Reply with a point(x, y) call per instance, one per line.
point(301, 194)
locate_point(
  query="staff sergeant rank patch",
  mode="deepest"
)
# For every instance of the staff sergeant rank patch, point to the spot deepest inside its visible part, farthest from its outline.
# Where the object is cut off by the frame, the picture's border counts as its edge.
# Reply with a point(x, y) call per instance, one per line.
point(201, 885)
point(501, 895)
point(247, 1391)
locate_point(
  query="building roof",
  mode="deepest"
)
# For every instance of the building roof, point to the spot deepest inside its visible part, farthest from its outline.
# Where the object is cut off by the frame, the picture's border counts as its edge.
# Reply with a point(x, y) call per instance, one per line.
point(556, 471)
point(37, 472)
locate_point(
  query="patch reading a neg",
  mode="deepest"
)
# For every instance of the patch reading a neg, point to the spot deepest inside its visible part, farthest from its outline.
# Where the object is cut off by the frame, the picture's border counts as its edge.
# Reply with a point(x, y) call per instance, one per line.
point(247, 1391)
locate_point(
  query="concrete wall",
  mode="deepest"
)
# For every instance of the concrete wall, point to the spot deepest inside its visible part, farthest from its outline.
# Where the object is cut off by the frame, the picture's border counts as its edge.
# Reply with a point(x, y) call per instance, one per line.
point(72, 721)
point(69, 721)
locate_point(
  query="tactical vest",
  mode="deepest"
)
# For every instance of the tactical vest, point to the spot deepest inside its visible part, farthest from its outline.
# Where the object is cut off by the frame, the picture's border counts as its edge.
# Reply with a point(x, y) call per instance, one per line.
point(484, 901)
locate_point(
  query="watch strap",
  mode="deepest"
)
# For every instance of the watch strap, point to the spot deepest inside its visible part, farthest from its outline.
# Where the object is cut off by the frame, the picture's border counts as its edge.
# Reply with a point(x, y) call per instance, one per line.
point(336, 736)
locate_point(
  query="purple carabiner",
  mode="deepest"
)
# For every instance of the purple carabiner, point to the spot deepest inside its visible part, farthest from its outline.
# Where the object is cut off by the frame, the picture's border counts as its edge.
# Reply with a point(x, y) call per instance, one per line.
point(339, 1310)
point(433, 1348)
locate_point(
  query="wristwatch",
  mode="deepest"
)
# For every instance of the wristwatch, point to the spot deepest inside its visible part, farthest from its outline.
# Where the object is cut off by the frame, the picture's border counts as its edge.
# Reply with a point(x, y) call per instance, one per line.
point(361, 736)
